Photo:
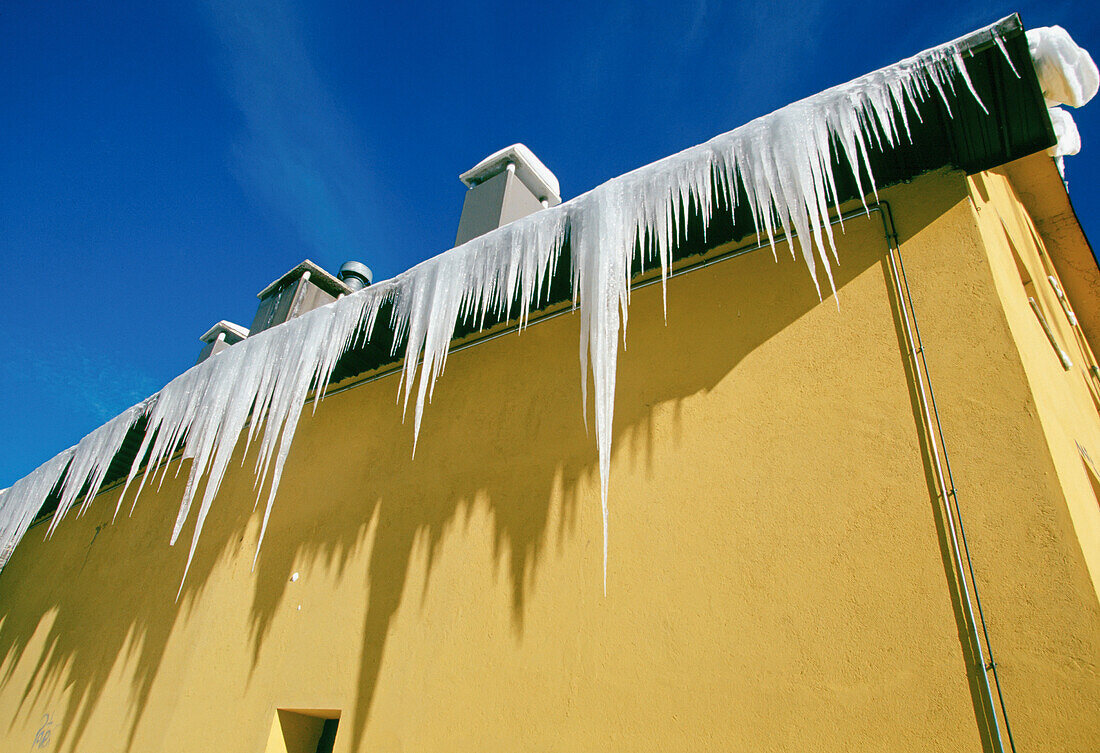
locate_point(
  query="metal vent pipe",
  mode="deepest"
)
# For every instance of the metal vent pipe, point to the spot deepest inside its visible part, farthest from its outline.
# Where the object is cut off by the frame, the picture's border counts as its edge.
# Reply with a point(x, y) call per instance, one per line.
point(355, 275)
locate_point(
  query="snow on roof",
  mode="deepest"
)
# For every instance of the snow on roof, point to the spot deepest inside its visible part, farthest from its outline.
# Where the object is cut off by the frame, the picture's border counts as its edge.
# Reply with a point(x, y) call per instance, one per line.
point(317, 275)
point(1068, 76)
point(1066, 72)
point(233, 332)
point(529, 169)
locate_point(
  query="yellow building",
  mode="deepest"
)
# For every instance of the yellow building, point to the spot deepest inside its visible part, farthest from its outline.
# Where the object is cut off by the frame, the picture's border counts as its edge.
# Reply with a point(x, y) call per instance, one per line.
point(786, 567)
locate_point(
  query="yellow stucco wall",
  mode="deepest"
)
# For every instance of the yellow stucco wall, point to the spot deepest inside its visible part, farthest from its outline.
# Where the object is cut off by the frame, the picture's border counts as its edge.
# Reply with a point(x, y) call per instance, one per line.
point(778, 577)
point(1066, 400)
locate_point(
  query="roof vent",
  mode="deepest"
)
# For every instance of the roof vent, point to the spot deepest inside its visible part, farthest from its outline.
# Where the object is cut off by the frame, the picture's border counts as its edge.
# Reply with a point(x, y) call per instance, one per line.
point(302, 289)
point(505, 186)
point(219, 337)
point(355, 275)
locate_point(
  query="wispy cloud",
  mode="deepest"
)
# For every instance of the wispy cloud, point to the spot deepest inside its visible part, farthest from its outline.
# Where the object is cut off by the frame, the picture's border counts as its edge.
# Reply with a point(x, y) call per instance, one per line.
point(297, 154)
point(83, 383)
point(779, 39)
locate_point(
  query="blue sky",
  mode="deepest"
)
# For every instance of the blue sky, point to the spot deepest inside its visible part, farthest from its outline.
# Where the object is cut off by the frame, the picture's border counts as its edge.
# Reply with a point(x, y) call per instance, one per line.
point(163, 162)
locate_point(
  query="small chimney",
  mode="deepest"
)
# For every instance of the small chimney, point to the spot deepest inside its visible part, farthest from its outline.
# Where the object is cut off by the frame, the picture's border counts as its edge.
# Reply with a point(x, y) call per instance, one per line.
point(505, 186)
point(302, 289)
point(355, 275)
point(219, 337)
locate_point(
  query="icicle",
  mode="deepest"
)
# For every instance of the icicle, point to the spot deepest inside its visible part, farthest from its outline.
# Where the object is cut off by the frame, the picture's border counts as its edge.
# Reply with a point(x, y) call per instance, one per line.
point(782, 163)
point(1004, 50)
point(90, 460)
point(20, 503)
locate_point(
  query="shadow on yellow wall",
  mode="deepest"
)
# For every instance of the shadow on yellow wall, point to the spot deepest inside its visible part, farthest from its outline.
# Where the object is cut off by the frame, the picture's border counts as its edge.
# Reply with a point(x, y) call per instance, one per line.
point(505, 432)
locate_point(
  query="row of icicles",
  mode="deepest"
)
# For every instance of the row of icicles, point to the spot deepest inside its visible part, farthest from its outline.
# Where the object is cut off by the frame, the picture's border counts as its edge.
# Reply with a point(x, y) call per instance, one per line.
point(781, 163)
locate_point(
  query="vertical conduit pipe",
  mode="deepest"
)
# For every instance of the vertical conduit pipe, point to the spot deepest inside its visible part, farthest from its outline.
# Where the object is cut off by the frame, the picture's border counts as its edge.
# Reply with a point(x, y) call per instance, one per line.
point(926, 399)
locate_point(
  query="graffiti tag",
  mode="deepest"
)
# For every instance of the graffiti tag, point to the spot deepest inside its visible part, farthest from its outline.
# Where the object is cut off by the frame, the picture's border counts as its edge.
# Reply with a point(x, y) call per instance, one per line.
point(42, 736)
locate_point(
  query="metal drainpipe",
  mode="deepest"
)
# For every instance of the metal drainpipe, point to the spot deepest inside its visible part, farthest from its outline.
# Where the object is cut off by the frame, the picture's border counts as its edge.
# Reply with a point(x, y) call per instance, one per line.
point(934, 428)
